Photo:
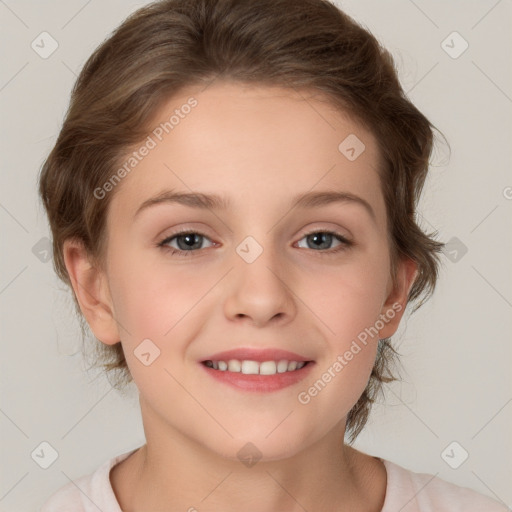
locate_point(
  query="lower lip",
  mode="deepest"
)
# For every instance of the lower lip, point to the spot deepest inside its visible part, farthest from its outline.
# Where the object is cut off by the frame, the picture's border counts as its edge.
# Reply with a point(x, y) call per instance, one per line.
point(259, 383)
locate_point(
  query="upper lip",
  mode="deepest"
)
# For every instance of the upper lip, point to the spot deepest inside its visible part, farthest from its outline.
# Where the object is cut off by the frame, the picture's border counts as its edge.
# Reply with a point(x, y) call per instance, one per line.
point(253, 354)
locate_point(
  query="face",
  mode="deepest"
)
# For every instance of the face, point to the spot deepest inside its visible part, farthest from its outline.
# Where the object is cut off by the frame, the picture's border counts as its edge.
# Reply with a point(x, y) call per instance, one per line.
point(259, 272)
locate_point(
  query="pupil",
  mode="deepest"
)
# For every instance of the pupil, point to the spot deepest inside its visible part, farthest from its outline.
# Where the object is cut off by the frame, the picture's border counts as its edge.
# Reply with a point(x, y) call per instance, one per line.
point(321, 236)
point(189, 240)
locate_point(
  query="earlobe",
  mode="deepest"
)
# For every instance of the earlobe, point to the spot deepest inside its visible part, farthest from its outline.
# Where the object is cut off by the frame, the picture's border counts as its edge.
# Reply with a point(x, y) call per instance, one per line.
point(396, 302)
point(92, 292)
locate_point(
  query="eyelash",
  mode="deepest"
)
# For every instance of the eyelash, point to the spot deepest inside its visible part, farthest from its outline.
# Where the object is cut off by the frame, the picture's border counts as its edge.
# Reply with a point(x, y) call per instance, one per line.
point(345, 243)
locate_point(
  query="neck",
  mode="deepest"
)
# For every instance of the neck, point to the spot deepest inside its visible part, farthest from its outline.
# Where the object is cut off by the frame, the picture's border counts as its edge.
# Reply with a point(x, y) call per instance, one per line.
point(174, 472)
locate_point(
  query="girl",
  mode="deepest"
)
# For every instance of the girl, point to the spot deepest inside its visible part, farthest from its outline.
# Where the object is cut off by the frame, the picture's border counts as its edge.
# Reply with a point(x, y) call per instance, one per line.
point(232, 200)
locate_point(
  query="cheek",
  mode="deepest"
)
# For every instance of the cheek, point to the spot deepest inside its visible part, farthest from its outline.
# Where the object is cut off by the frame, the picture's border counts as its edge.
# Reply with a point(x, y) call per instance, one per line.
point(347, 299)
point(349, 305)
point(151, 299)
point(157, 304)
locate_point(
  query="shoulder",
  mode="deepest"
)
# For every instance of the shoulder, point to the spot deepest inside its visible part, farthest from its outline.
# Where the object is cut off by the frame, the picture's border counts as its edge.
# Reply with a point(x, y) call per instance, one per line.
point(67, 498)
point(408, 491)
point(89, 493)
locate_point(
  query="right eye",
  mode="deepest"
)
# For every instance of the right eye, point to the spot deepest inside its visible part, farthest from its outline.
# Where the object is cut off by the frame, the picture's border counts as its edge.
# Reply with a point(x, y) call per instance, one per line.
point(186, 242)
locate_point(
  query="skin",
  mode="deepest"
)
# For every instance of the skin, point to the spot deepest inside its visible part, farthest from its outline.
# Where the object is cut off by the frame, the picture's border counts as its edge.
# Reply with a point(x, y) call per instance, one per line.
point(258, 146)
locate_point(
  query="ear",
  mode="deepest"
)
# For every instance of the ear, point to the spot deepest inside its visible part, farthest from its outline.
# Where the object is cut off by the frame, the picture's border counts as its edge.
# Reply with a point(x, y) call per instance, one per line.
point(396, 301)
point(92, 292)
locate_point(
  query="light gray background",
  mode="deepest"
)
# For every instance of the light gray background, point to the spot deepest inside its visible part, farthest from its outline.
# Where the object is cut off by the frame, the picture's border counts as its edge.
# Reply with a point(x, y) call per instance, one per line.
point(456, 349)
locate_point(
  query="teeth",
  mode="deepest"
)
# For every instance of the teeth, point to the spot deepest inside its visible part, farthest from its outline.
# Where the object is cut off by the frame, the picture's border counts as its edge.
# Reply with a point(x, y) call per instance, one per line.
point(282, 366)
point(268, 368)
point(234, 366)
point(255, 368)
point(250, 368)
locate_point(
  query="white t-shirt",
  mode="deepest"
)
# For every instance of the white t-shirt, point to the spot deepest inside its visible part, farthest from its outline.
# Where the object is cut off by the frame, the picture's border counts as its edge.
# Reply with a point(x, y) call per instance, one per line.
point(406, 491)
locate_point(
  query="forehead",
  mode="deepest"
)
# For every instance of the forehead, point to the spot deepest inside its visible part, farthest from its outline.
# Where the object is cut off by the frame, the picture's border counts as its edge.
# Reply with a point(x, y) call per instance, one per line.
point(255, 145)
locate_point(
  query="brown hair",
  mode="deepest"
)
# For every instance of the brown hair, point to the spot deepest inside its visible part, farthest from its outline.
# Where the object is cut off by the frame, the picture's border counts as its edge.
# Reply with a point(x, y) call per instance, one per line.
point(170, 44)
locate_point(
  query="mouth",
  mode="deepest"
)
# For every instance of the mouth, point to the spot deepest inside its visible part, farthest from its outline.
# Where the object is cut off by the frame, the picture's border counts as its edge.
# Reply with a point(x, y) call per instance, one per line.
point(257, 370)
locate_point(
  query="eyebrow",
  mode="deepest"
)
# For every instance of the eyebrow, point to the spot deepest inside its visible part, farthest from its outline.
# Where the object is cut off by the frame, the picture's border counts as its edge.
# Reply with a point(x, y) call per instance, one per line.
point(216, 202)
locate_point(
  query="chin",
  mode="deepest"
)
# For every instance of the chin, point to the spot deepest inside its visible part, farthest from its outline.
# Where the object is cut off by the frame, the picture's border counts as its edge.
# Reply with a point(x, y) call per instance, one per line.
point(249, 449)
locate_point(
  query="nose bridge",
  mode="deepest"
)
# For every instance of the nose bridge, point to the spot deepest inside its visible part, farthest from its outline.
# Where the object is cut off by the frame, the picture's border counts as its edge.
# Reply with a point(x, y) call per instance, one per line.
point(259, 289)
point(260, 262)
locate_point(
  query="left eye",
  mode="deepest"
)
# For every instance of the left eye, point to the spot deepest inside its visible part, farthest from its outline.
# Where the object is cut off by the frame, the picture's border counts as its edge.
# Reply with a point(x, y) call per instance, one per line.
point(321, 239)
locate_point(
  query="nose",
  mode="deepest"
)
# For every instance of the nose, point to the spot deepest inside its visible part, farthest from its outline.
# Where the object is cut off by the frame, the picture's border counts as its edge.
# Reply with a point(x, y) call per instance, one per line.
point(260, 292)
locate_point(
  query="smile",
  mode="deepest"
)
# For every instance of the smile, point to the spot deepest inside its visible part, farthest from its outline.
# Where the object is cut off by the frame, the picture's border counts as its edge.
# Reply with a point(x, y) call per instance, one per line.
point(248, 367)
point(257, 376)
